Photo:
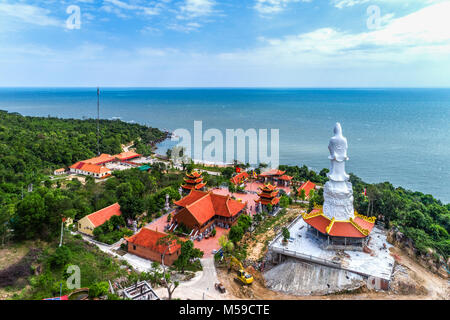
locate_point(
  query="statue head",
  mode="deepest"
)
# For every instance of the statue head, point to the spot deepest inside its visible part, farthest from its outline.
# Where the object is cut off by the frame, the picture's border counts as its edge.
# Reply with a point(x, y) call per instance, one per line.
point(338, 129)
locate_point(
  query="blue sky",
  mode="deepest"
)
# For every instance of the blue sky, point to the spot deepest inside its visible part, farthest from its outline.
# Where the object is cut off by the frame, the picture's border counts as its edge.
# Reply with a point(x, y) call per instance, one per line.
point(212, 43)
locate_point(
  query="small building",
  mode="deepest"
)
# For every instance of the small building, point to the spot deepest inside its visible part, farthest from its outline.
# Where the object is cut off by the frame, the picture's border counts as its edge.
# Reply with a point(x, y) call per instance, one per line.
point(87, 224)
point(269, 196)
point(193, 181)
point(308, 187)
point(93, 170)
point(240, 178)
point(59, 172)
point(145, 245)
point(202, 211)
point(276, 177)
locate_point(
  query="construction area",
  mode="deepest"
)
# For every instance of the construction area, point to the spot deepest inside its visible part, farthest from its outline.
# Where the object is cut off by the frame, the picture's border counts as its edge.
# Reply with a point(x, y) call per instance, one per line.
point(315, 270)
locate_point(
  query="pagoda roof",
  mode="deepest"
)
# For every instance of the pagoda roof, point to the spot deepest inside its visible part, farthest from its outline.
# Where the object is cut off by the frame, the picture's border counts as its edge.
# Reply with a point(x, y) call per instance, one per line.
point(237, 179)
point(358, 227)
point(194, 174)
point(268, 187)
point(193, 180)
point(272, 201)
point(286, 177)
point(269, 195)
point(202, 206)
point(272, 172)
point(193, 186)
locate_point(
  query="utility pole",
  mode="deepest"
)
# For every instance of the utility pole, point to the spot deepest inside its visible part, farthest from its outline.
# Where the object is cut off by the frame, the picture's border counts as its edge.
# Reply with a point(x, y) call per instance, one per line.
point(98, 120)
point(62, 231)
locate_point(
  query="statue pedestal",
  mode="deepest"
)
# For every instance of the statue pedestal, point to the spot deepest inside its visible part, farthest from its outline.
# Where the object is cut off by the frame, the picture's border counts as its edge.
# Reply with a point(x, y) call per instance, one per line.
point(338, 200)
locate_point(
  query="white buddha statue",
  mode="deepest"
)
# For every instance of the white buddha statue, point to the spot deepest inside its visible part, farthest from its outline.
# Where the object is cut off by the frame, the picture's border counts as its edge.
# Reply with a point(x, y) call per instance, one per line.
point(338, 192)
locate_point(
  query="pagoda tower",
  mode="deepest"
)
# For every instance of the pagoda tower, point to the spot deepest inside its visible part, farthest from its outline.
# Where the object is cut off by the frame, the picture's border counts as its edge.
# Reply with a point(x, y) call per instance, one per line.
point(193, 181)
point(268, 195)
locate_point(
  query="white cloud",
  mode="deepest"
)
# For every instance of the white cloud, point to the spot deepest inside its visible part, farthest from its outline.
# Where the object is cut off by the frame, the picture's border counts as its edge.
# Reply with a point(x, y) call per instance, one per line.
point(196, 8)
point(116, 6)
point(273, 6)
point(419, 35)
point(350, 3)
point(29, 14)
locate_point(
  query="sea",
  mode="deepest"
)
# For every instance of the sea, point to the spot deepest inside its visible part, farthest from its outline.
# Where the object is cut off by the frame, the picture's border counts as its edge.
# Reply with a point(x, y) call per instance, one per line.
point(396, 135)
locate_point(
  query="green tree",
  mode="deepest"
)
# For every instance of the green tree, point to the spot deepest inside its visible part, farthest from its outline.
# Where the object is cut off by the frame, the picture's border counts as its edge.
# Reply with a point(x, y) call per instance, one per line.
point(236, 233)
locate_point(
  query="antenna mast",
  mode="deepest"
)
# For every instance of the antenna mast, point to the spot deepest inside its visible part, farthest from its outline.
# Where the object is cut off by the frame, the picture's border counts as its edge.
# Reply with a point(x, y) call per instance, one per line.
point(98, 120)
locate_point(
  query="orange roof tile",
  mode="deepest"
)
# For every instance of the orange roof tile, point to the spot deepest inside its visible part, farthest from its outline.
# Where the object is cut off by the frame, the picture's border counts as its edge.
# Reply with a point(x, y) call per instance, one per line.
point(127, 155)
point(338, 228)
point(149, 239)
point(205, 205)
point(100, 217)
point(307, 186)
point(273, 172)
point(101, 159)
point(93, 168)
point(237, 179)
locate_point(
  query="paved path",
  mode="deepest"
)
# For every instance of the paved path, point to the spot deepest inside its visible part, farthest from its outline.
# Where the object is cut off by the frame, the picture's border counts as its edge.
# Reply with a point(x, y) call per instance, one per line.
point(200, 287)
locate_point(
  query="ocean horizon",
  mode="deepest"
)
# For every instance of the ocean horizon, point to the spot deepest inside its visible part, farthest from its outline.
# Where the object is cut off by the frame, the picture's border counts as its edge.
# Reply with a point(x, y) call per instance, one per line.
point(400, 135)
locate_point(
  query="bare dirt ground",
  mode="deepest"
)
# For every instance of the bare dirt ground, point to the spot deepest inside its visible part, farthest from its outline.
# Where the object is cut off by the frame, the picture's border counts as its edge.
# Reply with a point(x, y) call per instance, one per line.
point(415, 283)
point(257, 243)
point(10, 255)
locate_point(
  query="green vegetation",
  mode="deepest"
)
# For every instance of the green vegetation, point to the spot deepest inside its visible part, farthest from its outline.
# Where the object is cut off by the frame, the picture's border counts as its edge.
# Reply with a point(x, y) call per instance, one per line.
point(286, 234)
point(112, 230)
point(420, 217)
point(96, 268)
point(188, 258)
point(237, 231)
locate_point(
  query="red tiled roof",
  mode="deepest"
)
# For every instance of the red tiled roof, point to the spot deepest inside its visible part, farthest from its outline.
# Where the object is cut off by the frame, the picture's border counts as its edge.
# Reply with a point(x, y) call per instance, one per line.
point(267, 187)
point(205, 205)
point(273, 172)
point(127, 155)
point(364, 224)
point(100, 217)
point(101, 159)
point(93, 168)
point(286, 177)
point(345, 229)
point(272, 201)
point(193, 181)
point(338, 228)
point(149, 239)
point(307, 186)
point(237, 179)
point(194, 174)
point(319, 223)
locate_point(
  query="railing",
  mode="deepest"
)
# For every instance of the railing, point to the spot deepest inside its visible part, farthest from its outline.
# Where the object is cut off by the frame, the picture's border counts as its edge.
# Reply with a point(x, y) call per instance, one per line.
point(307, 257)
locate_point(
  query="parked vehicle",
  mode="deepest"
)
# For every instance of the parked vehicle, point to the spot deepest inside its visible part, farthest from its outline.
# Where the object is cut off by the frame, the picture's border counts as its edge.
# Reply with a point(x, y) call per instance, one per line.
point(220, 287)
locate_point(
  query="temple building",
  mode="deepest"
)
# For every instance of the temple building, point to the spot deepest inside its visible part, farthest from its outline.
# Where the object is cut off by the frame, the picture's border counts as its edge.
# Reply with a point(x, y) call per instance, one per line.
point(276, 177)
point(240, 178)
point(193, 181)
point(337, 224)
point(201, 211)
point(96, 167)
point(268, 195)
point(146, 244)
point(308, 186)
